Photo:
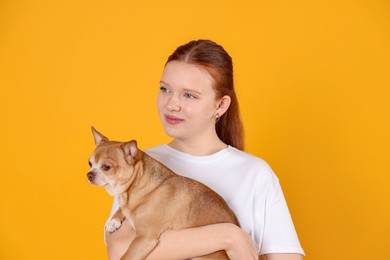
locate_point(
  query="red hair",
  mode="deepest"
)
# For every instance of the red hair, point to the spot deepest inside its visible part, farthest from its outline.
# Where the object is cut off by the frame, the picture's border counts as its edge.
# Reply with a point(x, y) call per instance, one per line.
point(218, 63)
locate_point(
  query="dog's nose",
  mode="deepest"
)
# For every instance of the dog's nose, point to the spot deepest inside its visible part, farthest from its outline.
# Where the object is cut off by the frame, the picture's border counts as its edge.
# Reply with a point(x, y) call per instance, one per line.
point(90, 176)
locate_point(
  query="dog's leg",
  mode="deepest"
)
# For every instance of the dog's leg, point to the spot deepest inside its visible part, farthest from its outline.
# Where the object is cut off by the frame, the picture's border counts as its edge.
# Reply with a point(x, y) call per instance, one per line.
point(140, 248)
point(115, 222)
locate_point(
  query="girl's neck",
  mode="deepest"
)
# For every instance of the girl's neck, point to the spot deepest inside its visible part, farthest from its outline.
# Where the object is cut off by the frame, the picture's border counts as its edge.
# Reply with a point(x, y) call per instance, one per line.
point(198, 148)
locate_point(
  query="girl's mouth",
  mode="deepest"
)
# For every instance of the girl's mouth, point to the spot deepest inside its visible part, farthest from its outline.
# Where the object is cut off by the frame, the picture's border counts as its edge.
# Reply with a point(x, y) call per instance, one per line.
point(173, 120)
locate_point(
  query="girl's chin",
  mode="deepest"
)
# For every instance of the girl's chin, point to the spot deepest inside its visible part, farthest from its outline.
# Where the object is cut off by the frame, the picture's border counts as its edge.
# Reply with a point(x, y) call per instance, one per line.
point(174, 133)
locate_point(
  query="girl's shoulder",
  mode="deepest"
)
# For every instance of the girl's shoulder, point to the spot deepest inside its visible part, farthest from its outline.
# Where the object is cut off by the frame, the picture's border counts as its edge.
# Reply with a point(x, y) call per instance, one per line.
point(247, 159)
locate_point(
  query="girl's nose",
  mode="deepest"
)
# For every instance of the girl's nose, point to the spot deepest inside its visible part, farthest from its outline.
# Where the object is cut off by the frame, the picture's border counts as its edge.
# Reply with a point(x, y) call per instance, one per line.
point(173, 104)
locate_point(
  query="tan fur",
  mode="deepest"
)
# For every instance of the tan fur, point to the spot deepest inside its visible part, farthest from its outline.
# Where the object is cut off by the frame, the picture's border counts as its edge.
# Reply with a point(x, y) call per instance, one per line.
point(152, 197)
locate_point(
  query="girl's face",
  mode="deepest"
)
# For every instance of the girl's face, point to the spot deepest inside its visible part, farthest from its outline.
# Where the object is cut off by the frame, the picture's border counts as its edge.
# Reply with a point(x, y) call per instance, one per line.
point(186, 101)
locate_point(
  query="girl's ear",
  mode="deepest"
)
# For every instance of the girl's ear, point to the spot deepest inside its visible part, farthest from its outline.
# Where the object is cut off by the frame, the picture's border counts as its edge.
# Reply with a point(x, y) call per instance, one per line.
point(223, 105)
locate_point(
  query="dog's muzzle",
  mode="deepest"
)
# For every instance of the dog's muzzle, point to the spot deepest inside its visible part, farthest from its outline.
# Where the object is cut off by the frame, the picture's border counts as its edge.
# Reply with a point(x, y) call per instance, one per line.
point(91, 176)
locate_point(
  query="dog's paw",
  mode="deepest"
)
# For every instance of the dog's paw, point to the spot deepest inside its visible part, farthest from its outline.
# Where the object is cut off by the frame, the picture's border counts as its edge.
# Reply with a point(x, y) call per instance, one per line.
point(113, 225)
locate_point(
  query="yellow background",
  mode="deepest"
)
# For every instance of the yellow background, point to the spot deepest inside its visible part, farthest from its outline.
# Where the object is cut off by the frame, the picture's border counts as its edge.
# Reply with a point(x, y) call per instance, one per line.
point(313, 82)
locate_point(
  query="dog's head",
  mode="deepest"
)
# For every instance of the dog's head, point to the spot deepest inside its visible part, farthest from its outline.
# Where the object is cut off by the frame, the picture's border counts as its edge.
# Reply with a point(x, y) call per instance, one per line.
point(112, 164)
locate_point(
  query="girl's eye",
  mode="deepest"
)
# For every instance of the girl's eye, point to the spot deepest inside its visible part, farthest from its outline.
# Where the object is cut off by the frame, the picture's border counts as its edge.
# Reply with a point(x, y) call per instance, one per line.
point(164, 89)
point(190, 96)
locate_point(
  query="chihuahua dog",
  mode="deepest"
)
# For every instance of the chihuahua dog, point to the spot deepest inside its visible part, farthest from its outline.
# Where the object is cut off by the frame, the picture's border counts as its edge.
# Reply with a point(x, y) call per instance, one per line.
point(151, 197)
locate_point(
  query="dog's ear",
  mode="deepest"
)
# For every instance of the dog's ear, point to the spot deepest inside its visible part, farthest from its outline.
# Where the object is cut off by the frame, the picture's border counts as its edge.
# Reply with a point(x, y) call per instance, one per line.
point(98, 136)
point(130, 150)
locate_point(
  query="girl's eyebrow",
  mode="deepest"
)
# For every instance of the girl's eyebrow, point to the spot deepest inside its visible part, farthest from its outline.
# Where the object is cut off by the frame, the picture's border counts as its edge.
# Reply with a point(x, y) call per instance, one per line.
point(163, 83)
point(186, 89)
point(192, 91)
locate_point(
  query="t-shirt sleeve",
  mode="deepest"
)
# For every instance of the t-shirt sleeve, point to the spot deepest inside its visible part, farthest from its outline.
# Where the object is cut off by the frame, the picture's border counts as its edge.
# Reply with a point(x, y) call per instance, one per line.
point(279, 232)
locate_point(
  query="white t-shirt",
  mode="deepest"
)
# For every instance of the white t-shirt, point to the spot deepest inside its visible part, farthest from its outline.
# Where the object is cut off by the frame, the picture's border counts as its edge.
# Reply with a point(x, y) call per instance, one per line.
point(250, 188)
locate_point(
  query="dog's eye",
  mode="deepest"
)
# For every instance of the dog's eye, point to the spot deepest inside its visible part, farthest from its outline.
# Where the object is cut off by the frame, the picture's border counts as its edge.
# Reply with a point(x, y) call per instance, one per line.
point(106, 167)
point(90, 164)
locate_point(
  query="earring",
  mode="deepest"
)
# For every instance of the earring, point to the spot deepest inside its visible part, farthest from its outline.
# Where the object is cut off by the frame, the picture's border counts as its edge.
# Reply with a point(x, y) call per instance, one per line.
point(217, 117)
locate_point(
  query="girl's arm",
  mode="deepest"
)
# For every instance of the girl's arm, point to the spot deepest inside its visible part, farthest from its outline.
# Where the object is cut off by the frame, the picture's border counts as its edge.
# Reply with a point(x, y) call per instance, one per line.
point(119, 241)
point(283, 257)
point(188, 243)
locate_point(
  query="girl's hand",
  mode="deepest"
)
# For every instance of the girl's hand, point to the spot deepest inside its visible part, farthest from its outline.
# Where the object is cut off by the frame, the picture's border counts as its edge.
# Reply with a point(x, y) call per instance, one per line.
point(240, 244)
